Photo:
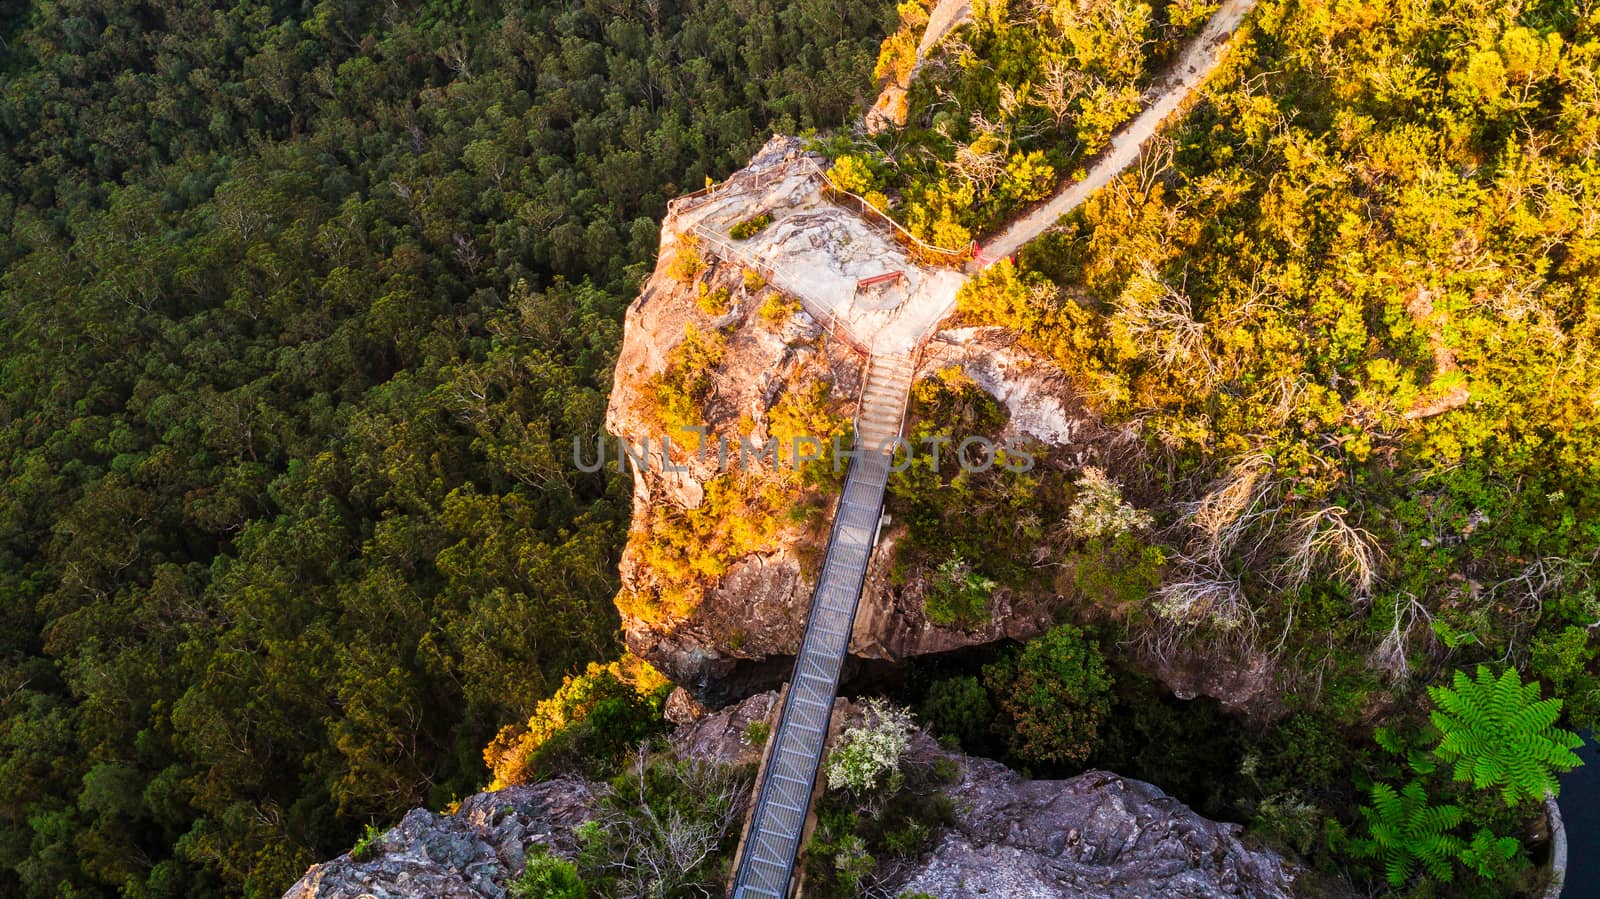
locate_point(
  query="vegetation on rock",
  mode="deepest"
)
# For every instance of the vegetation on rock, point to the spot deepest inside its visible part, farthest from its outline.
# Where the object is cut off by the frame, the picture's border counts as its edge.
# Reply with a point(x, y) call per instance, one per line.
point(548, 877)
point(1344, 304)
point(666, 827)
point(866, 757)
point(750, 227)
point(1006, 105)
point(588, 723)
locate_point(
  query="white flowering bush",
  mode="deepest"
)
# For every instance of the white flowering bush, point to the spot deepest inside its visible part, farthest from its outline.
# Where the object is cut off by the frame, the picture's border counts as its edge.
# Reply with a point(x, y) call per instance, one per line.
point(1098, 509)
point(868, 754)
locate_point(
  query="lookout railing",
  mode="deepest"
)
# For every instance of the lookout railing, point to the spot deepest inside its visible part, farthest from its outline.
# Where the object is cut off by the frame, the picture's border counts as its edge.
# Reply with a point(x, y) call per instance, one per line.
point(917, 248)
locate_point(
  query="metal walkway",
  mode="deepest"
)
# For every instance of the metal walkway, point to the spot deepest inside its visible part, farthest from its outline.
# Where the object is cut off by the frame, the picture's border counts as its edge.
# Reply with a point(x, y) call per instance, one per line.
point(783, 797)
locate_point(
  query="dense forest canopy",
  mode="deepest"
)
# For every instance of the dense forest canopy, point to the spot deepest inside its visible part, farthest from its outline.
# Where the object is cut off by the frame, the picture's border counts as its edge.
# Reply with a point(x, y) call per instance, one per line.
point(304, 304)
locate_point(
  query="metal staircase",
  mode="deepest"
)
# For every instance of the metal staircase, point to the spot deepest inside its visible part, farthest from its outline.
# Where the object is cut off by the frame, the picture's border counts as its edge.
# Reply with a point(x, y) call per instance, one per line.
point(783, 796)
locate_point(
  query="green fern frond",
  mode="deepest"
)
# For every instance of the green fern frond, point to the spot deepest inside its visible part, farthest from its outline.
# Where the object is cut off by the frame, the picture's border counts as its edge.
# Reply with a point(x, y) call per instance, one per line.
point(1497, 732)
point(1403, 831)
point(1487, 853)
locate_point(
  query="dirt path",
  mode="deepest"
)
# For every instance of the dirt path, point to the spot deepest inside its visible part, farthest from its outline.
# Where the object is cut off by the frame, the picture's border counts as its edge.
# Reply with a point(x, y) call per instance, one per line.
point(889, 110)
point(944, 16)
point(1197, 62)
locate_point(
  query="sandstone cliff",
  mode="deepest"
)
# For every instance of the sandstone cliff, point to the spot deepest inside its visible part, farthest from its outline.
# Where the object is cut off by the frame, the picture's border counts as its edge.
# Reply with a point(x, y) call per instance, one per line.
point(743, 624)
point(735, 628)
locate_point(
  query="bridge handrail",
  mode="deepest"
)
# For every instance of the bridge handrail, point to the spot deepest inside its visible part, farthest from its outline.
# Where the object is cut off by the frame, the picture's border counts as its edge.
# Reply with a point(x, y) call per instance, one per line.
point(807, 648)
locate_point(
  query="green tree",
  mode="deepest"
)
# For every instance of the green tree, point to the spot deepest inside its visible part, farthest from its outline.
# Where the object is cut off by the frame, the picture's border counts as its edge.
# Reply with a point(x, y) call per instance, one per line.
point(1054, 691)
point(958, 708)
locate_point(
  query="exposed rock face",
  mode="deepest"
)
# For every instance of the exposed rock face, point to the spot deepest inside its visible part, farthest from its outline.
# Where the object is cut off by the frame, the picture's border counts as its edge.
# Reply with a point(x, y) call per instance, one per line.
point(742, 634)
point(721, 737)
point(1039, 398)
point(472, 854)
point(746, 614)
point(1095, 835)
point(1244, 681)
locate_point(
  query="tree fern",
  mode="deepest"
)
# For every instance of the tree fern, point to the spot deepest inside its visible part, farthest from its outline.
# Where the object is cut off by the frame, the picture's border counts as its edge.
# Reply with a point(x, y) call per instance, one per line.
point(1403, 831)
point(1497, 732)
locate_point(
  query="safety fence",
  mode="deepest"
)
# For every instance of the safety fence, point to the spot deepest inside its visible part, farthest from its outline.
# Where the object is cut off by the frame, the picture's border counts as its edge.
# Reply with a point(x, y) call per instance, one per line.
point(918, 249)
point(915, 247)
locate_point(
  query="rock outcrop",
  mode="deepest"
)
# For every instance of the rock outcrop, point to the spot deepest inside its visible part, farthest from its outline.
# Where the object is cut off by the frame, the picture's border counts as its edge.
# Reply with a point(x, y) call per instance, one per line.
point(743, 630)
point(473, 854)
point(1094, 835)
point(735, 639)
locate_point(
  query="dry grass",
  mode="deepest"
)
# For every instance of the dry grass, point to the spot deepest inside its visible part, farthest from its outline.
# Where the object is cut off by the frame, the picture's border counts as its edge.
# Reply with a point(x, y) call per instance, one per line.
point(1323, 541)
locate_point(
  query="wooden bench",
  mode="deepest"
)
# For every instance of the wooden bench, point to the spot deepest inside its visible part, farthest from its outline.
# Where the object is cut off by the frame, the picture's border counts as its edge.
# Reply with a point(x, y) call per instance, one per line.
point(876, 280)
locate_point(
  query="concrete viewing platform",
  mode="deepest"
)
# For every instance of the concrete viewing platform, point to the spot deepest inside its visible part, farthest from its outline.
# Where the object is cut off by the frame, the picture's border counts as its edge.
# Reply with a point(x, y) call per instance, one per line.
point(829, 256)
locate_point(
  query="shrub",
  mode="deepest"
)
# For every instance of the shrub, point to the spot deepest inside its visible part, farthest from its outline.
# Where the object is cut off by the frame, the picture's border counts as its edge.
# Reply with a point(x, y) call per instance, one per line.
point(958, 596)
point(663, 827)
point(711, 301)
point(852, 862)
point(681, 389)
point(868, 754)
point(687, 262)
point(548, 877)
point(756, 733)
point(853, 174)
point(777, 308)
point(897, 57)
point(1099, 511)
point(958, 707)
point(750, 227)
point(1055, 690)
point(683, 549)
point(807, 413)
point(969, 531)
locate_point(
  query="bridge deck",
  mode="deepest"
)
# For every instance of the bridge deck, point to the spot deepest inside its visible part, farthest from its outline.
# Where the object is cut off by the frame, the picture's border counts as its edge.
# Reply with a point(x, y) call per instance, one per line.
point(783, 798)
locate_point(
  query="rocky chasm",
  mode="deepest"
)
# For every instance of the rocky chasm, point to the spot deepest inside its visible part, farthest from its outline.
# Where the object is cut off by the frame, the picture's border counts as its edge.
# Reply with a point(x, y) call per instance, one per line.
point(1095, 835)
